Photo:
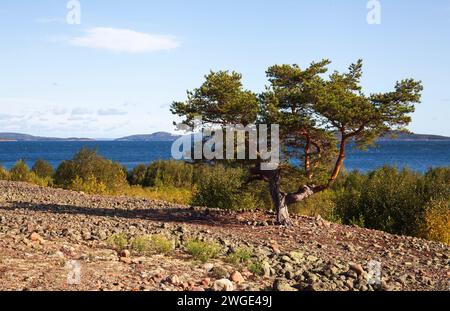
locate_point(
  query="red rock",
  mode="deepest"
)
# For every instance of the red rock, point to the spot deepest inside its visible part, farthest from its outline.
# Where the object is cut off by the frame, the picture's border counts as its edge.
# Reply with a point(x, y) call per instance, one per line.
point(357, 268)
point(206, 281)
point(36, 238)
point(276, 248)
point(236, 277)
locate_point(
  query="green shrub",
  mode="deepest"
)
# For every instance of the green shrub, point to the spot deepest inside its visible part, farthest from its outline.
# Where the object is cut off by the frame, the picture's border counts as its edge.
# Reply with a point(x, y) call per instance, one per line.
point(118, 241)
point(4, 174)
point(239, 256)
point(222, 188)
point(322, 204)
point(137, 175)
point(169, 173)
point(43, 169)
point(86, 166)
point(151, 244)
point(390, 200)
point(202, 250)
point(20, 171)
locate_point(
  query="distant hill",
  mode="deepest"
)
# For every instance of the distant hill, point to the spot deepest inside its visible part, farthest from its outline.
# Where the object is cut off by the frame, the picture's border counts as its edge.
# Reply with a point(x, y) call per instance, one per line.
point(159, 136)
point(165, 136)
point(400, 136)
point(25, 137)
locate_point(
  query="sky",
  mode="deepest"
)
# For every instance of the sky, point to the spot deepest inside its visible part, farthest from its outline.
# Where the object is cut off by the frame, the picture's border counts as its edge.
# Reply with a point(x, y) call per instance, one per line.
point(117, 71)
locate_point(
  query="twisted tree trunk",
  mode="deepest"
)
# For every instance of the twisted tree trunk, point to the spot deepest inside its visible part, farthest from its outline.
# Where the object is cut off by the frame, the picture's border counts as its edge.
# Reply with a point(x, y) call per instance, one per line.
point(279, 199)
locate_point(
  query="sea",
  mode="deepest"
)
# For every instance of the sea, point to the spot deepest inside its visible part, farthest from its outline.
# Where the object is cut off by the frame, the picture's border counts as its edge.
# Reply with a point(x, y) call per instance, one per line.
point(416, 155)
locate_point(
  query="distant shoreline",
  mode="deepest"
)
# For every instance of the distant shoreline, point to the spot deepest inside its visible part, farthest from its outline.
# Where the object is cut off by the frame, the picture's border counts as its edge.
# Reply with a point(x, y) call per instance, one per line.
point(166, 136)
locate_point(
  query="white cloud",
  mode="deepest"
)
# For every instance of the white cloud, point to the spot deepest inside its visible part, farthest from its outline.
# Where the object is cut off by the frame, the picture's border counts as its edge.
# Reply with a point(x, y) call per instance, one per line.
point(111, 112)
point(124, 41)
point(80, 111)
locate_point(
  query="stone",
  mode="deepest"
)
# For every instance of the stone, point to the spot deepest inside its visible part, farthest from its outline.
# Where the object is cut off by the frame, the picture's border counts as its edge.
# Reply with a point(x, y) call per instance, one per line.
point(350, 248)
point(86, 234)
point(312, 258)
point(174, 280)
point(102, 235)
point(289, 275)
point(275, 248)
point(296, 256)
point(205, 282)
point(285, 259)
point(125, 253)
point(281, 285)
point(223, 285)
point(36, 238)
point(237, 277)
point(356, 268)
point(267, 269)
point(208, 267)
point(219, 272)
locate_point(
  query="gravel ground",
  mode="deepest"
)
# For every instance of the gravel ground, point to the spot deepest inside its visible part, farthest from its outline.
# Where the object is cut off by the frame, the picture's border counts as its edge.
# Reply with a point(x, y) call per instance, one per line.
point(49, 237)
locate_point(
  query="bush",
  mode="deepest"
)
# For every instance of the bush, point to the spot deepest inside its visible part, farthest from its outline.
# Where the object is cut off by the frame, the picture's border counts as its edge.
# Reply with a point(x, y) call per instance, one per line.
point(436, 224)
point(322, 204)
point(43, 169)
point(137, 175)
point(4, 174)
point(169, 173)
point(88, 170)
point(151, 244)
point(20, 171)
point(118, 241)
point(222, 188)
point(89, 185)
point(202, 250)
point(391, 200)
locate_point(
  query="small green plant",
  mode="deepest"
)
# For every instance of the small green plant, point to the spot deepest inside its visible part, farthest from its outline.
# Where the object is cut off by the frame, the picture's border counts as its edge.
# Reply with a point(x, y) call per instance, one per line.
point(239, 256)
point(256, 268)
point(118, 241)
point(148, 244)
point(202, 250)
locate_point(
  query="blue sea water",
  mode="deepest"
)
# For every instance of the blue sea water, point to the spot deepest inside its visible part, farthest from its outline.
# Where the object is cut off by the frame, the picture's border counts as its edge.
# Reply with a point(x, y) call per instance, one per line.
point(416, 155)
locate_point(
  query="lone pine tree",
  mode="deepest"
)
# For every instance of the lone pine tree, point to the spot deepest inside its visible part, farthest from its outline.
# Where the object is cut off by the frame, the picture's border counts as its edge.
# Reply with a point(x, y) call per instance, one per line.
point(318, 116)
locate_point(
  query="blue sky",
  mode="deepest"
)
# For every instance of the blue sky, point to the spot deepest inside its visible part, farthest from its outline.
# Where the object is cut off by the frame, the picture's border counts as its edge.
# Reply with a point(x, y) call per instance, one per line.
point(116, 73)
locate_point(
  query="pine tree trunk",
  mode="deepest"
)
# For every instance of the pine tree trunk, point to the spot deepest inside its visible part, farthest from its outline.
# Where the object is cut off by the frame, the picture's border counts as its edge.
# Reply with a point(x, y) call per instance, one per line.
point(279, 200)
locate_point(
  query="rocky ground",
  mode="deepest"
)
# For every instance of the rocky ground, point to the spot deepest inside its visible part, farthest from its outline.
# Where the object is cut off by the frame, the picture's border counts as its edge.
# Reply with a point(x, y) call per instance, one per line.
point(49, 235)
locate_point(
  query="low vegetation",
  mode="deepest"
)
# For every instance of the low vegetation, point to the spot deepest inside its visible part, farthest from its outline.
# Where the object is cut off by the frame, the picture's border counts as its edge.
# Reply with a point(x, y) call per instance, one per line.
point(118, 241)
point(202, 250)
point(396, 201)
point(152, 244)
point(239, 256)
